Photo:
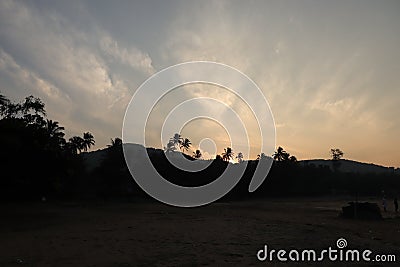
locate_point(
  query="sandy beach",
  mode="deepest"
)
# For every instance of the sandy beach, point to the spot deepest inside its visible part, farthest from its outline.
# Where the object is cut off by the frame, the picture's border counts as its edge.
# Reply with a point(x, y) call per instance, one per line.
point(154, 234)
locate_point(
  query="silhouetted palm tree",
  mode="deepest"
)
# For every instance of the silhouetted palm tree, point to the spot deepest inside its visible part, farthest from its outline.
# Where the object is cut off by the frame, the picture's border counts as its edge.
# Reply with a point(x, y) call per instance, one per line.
point(239, 157)
point(88, 141)
point(53, 130)
point(228, 154)
point(54, 134)
point(281, 155)
point(75, 144)
point(176, 139)
point(185, 144)
point(115, 142)
point(197, 154)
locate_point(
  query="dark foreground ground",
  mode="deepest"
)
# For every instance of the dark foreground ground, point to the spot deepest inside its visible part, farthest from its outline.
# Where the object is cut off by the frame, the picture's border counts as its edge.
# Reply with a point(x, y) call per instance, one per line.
point(153, 234)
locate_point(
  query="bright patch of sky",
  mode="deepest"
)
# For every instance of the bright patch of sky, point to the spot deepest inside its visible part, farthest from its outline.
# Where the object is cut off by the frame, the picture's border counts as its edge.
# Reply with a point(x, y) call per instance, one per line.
point(329, 69)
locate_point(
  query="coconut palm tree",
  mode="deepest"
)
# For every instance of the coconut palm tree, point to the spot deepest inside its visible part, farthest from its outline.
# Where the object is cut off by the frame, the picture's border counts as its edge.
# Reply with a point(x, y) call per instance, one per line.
point(197, 154)
point(115, 142)
point(185, 144)
point(88, 141)
point(176, 139)
point(53, 130)
point(55, 135)
point(75, 144)
point(281, 155)
point(227, 154)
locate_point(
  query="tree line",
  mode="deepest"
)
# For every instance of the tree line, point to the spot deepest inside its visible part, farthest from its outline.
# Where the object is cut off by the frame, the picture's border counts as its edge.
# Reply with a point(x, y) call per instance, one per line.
point(37, 160)
point(35, 156)
point(177, 142)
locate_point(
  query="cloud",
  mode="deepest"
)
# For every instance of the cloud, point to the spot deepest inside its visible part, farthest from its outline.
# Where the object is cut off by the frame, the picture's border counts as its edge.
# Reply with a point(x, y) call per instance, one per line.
point(132, 57)
point(71, 68)
point(33, 84)
point(329, 71)
point(327, 80)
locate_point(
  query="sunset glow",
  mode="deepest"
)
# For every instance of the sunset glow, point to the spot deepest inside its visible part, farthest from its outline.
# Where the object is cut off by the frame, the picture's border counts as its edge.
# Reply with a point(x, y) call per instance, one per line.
point(328, 69)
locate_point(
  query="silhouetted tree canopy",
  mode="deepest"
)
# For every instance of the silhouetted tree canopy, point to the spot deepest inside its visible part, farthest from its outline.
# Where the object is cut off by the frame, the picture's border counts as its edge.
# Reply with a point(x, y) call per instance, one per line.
point(185, 144)
point(336, 153)
point(281, 155)
point(227, 154)
point(197, 154)
point(36, 159)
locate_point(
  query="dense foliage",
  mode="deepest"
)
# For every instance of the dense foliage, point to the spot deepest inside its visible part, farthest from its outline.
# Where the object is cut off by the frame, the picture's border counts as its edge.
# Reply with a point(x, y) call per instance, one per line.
point(36, 160)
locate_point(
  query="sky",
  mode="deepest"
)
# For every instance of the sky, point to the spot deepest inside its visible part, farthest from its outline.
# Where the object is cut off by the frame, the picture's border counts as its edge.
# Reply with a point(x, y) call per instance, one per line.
point(328, 69)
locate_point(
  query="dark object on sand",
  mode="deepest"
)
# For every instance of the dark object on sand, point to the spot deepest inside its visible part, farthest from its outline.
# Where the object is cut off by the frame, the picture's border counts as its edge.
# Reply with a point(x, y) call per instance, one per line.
point(366, 210)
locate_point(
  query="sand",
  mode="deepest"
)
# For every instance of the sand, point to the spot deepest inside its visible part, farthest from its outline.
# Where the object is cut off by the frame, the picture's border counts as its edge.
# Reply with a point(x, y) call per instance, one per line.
point(154, 234)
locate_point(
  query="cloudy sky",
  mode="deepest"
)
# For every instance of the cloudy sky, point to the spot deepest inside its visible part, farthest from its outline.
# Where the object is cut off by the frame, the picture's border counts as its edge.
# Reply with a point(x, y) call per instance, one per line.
point(329, 69)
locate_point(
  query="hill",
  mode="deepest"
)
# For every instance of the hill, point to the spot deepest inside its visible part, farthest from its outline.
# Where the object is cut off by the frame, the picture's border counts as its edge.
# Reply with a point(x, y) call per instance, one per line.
point(351, 166)
point(93, 160)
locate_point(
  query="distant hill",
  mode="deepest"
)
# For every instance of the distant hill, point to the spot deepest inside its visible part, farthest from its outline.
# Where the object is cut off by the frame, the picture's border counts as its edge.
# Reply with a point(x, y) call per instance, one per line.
point(352, 166)
point(93, 159)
